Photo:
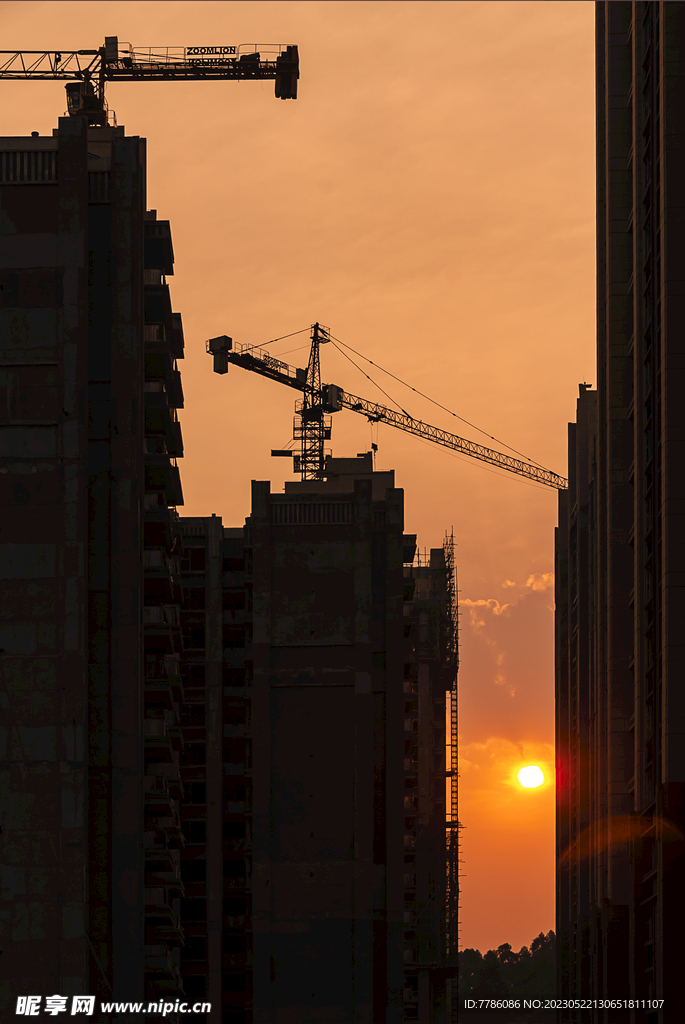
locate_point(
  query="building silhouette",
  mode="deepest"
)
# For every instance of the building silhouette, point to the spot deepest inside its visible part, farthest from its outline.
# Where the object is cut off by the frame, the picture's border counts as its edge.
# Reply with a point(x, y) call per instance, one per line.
point(91, 640)
point(621, 546)
point(348, 726)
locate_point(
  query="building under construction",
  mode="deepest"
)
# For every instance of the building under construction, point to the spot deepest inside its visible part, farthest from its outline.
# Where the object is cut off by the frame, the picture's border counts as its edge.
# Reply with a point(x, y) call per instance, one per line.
point(90, 635)
point(621, 549)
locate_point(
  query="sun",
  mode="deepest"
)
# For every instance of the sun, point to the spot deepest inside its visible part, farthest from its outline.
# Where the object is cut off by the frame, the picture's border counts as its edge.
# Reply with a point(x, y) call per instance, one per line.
point(530, 776)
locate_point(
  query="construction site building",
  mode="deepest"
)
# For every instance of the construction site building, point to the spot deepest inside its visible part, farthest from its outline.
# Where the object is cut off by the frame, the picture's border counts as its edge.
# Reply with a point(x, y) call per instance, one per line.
point(90, 633)
point(430, 855)
point(337, 847)
point(621, 546)
point(216, 960)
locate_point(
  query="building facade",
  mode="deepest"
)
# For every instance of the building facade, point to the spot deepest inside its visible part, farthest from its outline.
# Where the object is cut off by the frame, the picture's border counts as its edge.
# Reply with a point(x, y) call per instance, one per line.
point(216, 960)
point(621, 542)
point(90, 633)
point(348, 760)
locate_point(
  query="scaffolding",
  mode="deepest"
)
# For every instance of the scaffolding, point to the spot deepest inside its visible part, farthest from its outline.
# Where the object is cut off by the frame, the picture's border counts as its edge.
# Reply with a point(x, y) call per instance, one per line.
point(453, 825)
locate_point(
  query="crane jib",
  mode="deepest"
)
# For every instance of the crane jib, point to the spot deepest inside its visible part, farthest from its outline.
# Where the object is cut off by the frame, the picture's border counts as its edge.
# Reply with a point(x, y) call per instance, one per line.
point(380, 414)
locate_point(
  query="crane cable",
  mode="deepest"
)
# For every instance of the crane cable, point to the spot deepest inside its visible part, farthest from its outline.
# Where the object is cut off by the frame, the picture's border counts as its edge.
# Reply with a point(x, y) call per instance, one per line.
point(263, 344)
point(370, 378)
point(444, 408)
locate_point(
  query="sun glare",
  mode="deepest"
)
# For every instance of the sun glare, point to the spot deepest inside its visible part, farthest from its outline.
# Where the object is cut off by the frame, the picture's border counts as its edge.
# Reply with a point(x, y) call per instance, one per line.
point(531, 776)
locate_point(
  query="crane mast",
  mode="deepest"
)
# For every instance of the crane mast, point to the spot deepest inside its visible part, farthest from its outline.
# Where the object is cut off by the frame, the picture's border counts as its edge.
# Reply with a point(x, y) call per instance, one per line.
point(87, 71)
point(312, 424)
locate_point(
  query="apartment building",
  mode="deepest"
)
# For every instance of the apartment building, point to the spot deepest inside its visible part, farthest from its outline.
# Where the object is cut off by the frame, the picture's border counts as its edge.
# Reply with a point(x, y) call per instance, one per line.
point(90, 630)
point(620, 545)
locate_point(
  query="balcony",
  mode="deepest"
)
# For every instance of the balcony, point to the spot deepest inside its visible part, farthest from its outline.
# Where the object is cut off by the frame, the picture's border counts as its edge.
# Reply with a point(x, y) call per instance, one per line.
point(157, 905)
point(163, 685)
point(156, 795)
point(168, 826)
point(161, 622)
point(169, 771)
point(158, 742)
point(157, 615)
point(163, 870)
point(161, 961)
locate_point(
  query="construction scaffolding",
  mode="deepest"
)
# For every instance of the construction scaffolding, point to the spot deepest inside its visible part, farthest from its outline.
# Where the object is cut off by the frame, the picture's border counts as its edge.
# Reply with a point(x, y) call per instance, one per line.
point(453, 825)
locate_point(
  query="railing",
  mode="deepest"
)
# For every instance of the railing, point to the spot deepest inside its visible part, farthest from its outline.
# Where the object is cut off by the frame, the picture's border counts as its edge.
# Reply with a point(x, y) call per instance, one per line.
point(32, 167)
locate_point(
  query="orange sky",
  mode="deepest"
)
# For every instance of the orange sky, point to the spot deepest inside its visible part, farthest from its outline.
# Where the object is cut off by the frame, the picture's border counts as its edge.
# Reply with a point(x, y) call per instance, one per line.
point(430, 197)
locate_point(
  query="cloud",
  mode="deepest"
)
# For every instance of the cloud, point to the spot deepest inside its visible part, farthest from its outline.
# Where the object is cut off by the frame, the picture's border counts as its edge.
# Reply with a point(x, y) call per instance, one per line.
point(491, 603)
point(502, 632)
point(540, 580)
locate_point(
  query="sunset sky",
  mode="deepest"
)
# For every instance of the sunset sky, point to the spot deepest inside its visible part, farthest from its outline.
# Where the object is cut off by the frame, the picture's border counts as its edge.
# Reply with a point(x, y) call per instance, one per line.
point(430, 198)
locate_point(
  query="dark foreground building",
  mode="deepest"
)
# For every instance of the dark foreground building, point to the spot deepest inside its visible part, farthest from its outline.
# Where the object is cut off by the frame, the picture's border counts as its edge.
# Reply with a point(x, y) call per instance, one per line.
point(621, 545)
point(348, 764)
point(90, 588)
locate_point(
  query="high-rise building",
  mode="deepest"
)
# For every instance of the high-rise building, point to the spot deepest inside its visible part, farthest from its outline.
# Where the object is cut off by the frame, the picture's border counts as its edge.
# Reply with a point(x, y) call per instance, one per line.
point(88, 489)
point(348, 755)
point(621, 544)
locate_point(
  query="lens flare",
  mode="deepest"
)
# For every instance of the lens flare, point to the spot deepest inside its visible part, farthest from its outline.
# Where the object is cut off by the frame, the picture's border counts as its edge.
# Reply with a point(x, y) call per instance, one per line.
point(530, 776)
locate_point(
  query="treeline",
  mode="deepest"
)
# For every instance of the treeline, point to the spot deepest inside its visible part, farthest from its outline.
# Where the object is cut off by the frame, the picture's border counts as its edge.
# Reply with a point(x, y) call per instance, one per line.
point(501, 972)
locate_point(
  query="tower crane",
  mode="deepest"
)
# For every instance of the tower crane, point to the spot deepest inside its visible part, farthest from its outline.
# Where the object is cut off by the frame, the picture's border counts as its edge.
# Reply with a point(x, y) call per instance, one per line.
point(312, 425)
point(87, 70)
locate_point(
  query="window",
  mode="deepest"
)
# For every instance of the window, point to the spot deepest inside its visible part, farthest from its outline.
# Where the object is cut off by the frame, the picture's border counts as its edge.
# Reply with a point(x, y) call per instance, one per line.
point(193, 675)
point(194, 832)
point(235, 714)
point(193, 559)
point(194, 985)
point(193, 715)
point(237, 752)
point(194, 871)
point(194, 754)
point(234, 676)
point(234, 869)
point(193, 638)
point(235, 794)
point(194, 598)
point(234, 830)
point(234, 636)
point(197, 792)
point(235, 906)
point(235, 944)
point(233, 600)
point(193, 910)
point(195, 948)
point(235, 982)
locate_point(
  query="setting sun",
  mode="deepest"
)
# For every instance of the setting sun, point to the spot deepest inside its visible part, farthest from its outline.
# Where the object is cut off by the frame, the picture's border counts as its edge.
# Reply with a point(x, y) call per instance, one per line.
point(531, 776)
